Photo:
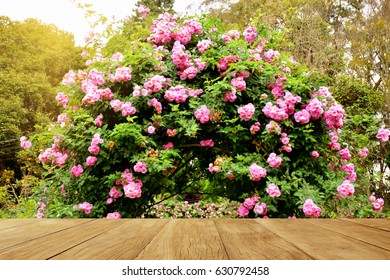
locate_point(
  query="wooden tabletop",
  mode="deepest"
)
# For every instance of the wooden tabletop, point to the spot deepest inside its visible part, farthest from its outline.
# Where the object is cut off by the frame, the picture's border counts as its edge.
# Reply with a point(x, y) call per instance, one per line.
point(195, 239)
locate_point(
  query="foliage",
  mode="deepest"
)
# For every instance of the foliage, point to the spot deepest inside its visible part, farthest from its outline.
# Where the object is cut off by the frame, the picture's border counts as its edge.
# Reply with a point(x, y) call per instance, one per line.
point(356, 96)
point(192, 108)
point(33, 59)
point(157, 7)
point(177, 209)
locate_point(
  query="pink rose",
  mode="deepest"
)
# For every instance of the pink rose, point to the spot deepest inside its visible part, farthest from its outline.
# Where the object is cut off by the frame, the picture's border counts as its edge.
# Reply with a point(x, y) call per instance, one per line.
point(77, 170)
point(91, 161)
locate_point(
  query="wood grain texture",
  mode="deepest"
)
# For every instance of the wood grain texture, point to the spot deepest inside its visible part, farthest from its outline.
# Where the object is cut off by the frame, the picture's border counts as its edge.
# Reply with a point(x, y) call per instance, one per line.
point(53, 243)
point(123, 242)
point(357, 231)
point(383, 224)
point(322, 243)
point(29, 231)
point(9, 223)
point(194, 239)
point(248, 239)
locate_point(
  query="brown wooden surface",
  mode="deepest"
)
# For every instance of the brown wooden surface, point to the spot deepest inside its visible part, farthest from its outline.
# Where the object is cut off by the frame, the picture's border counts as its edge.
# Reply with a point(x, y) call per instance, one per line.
point(195, 239)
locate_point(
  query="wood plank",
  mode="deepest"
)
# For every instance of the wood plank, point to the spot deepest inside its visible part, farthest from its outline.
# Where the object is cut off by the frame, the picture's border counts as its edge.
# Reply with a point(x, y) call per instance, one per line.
point(124, 242)
point(194, 239)
point(9, 223)
point(29, 231)
point(247, 239)
point(46, 246)
point(383, 224)
point(322, 243)
point(360, 232)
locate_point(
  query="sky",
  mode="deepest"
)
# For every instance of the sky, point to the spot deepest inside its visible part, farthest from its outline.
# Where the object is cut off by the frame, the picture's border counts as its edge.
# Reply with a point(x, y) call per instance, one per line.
point(65, 15)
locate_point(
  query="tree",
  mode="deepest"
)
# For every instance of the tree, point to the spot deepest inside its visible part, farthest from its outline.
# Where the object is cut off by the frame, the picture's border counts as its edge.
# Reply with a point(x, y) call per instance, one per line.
point(33, 59)
point(157, 7)
point(369, 49)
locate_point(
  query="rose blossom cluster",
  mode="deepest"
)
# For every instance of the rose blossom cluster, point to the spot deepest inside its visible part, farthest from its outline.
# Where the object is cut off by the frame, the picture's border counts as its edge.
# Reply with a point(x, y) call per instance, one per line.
point(255, 128)
point(207, 143)
point(24, 143)
point(270, 54)
point(230, 96)
point(94, 147)
point(311, 209)
point(131, 187)
point(239, 83)
point(168, 146)
point(140, 167)
point(284, 138)
point(252, 203)
point(161, 29)
point(334, 116)
point(85, 207)
point(350, 169)
point(42, 207)
point(77, 170)
point(143, 11)
point(177, 94)
point(315, 109)
point(214, 168)
point(156, 83)
point(138, 91)
point(171, 132)
point(69, 78)
point(273, 190)
point(93, 94)
point(114, 195)
point(274, 160)
point(202, 114)
point(334, 145)
point(156, 104)
point(346, 189)
point(383, 134)
point(118, 57)
point(122, 74)
point(63, 99)
point(63, 119)
point(363, 153)
point(246, 112)
point(274, 112)
point(257, 172)
point(273, 127)
point(230, 36)
point(114, 215)
point(250, 34)
point(377, 203)
point(315, 154)
point(91, 161)
point(345, 154)
point(184, 33)
point(302, 117)
point(203, 45)
point(225, 62)
point(126, 107)
point(56, 155)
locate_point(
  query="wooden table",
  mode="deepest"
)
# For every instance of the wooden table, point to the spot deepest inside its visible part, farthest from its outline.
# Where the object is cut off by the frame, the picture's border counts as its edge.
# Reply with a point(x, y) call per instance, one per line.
point(195, 239)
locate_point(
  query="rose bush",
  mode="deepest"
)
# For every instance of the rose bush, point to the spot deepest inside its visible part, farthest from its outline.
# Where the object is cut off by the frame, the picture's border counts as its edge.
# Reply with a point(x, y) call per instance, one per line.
point(190, 104)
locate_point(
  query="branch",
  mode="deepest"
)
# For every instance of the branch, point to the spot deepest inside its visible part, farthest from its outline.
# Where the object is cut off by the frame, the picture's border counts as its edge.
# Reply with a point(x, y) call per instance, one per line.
point(377, 84)
point(198, 145)
point(14, 193)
